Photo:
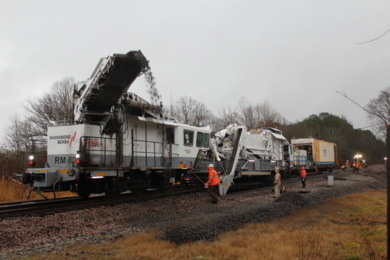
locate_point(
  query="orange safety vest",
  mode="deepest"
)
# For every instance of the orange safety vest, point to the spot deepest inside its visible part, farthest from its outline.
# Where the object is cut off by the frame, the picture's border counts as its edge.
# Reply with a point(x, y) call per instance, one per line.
point(303, 173)
point(213, 177)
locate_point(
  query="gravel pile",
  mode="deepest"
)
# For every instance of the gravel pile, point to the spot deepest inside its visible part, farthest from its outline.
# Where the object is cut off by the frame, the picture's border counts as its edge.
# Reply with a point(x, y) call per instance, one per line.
point(211, 228)
point(293, 198)
point(189, 217)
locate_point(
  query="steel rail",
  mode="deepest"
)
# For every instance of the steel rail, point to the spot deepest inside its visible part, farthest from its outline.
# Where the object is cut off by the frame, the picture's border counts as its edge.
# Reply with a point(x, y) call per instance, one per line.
point(12, 210)
point(44, 207)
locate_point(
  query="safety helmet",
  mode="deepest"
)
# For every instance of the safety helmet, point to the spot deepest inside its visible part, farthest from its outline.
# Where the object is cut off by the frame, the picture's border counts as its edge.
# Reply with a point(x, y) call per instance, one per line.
point(302, 168)
point(211, 165)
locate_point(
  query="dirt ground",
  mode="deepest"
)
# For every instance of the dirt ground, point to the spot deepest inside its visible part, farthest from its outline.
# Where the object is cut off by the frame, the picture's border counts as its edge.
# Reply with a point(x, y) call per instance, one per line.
point(184, 218)
point(373, 177)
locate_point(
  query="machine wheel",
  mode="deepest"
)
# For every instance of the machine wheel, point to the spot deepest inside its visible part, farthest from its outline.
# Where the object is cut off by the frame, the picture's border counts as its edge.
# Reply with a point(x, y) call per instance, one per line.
point(82, 188)
point(83, 194)
point(112, 188)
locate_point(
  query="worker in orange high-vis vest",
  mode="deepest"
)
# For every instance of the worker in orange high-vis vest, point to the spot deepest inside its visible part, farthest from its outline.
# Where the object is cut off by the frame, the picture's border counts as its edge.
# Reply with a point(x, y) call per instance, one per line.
point(355, 167)
point(213, 183)
point(277, 182)
point(303, 177)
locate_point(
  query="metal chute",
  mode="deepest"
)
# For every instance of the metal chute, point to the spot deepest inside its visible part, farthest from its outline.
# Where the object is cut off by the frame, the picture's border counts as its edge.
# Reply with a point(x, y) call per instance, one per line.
point(238, 134)
point(109, 81)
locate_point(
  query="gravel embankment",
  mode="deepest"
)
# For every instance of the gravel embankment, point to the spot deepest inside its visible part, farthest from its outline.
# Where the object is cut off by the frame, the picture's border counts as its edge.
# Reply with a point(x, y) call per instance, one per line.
point(184, 218)
point(211, 228)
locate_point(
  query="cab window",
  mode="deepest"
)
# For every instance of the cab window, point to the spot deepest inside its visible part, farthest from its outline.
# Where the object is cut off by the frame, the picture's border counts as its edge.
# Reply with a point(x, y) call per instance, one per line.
point(202, 139)
point(170, 136)
point(199, 139)
point(188, 138)
point(206, 139)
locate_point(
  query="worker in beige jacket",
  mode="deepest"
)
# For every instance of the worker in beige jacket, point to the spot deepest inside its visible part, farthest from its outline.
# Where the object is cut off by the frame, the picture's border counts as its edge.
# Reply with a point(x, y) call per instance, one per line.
point(277, 182)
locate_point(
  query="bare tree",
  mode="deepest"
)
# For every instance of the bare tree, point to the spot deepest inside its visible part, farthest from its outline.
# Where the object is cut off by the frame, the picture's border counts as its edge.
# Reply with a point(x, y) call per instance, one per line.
point(268, 116)
point(247, 114)
point(202, 115)
point(22, 132)
point(55, 105)
point(378, 111)
point(189, 111)
point(16, 145)
point(227, 116)
point(52, 106)
point(252, 116)
point(183, 109)
point(18, 134)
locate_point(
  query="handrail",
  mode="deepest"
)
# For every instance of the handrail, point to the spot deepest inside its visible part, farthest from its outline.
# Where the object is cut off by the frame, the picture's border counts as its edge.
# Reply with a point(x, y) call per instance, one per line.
point(88, 146)
point(85, 146)
point(154, 150)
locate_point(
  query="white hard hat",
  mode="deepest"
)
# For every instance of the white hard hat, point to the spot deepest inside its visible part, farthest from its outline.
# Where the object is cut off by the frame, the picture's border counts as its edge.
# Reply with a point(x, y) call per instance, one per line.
point(211, 165)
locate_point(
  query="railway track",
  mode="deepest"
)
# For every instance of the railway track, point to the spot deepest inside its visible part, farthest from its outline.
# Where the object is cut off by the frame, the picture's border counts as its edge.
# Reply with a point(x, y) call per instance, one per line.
point(42, 207)
point(39, 207)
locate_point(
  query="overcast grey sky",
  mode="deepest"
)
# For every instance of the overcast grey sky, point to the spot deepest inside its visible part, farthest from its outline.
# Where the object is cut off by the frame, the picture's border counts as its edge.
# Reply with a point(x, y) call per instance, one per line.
point(295, 54)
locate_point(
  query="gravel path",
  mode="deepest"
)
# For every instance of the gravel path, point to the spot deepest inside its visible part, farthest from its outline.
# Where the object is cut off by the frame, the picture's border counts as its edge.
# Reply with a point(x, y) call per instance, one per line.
point(183, 218)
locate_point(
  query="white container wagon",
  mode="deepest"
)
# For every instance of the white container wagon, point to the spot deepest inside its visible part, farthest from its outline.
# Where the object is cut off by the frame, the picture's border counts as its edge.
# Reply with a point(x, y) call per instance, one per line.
point(314, 154)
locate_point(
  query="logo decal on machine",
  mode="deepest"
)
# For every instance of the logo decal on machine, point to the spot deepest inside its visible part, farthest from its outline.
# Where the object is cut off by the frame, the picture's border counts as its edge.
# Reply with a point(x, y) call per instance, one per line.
point(61, 139)
point(72, 138)
point(64, 139)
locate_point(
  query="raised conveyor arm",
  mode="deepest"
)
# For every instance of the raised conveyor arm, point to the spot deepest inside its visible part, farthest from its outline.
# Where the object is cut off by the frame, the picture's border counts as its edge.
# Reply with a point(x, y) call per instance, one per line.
point(231, 169)
point(109, 81)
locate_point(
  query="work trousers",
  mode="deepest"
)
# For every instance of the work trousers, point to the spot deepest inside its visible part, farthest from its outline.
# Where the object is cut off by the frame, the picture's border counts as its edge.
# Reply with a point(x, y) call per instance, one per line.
point(277, 189)
point(213, 192)
point(303, 180)
point(348, 167)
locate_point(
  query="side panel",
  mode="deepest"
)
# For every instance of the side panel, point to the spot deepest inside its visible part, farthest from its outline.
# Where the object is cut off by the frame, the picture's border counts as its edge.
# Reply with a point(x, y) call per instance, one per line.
point(147, 143)
point(277, 149)
point(151, 146)
point(63, 143)
point(139, 144)
point(326, 152)
point(184, 153)
point(317, 150)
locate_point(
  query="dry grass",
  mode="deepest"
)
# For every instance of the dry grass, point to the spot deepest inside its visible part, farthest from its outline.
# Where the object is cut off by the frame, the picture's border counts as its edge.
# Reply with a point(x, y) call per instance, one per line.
point(351, 227)
point(11, 191)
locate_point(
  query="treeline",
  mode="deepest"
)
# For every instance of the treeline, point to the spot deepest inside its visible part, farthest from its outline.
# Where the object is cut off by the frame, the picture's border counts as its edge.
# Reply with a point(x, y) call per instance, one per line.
point(56, 105)
point(350, 141)
point(190, 111)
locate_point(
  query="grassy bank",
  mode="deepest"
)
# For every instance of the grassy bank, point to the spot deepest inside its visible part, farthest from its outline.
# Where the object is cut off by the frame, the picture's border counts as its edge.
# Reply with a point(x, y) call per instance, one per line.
point(349, 227)
point(11, 191)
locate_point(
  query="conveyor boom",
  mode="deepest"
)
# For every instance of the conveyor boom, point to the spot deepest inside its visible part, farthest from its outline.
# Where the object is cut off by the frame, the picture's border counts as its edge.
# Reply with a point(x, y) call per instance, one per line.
point(110, 80)
point(230, 171)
